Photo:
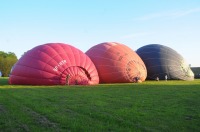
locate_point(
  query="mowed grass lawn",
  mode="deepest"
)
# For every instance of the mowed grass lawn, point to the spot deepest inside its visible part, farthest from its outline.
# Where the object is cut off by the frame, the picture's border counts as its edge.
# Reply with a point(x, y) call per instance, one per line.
point(149, 106)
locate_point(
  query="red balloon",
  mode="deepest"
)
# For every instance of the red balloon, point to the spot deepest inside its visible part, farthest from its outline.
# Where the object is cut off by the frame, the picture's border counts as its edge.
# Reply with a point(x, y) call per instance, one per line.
point(54, 64)
point(117, 63)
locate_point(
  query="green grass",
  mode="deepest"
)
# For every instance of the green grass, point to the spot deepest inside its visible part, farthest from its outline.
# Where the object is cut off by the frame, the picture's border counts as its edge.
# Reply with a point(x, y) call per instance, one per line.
point(149, 106)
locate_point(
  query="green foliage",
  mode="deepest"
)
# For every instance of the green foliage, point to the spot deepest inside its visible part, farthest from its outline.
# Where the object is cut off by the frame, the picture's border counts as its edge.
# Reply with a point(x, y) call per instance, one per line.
point(196, 71)
point(4, 81)
point(149, 106)
point(7, 60)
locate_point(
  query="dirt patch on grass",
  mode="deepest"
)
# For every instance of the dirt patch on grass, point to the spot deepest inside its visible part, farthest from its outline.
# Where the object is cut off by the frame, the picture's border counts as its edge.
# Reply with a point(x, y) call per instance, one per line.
point(22, 128)
point(2, 109)
point(42, 120)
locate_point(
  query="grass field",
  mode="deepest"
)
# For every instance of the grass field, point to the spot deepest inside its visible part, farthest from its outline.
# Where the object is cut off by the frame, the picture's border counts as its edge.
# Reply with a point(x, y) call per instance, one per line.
point(149, 106)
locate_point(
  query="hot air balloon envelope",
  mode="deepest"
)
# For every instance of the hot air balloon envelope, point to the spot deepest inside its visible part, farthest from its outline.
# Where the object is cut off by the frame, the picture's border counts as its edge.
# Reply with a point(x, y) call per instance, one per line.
point(54, 64)
point(162, 61)
point(117, 63)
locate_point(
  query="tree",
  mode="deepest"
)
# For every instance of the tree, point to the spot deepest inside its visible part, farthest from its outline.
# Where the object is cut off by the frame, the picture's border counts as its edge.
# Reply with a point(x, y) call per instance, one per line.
point(7, 61)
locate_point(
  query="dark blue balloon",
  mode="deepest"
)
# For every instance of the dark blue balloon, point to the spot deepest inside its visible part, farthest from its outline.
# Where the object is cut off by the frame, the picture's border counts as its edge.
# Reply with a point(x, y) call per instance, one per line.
point(162, 61)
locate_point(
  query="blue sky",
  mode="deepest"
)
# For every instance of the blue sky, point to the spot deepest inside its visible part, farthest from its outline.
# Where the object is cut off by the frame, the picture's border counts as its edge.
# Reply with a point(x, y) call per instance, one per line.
point(25, 24)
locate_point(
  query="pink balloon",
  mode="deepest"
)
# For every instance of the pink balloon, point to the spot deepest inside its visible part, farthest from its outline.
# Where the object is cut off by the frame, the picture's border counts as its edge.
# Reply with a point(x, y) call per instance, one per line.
point(54, 64)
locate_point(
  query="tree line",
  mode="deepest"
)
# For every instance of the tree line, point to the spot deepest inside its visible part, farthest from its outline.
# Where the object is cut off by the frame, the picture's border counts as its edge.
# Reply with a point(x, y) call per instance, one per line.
point(196, 71)
point(7, 61)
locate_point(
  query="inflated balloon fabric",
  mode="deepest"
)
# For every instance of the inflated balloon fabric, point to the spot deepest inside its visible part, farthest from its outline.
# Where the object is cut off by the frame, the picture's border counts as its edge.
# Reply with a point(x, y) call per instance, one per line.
point(54, 64)
point(161, 60)
point(117, 63)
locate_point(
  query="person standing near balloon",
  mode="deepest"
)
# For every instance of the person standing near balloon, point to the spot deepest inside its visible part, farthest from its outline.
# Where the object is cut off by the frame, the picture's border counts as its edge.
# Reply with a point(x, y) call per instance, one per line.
point(67, 79)
point(136, 79)
point(165, 77)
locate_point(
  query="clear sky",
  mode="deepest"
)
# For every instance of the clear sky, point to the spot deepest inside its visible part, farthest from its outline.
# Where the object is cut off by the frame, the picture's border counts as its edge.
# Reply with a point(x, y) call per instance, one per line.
point(25, 24)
